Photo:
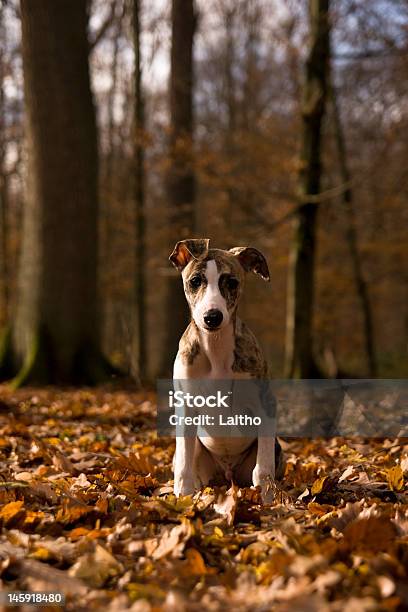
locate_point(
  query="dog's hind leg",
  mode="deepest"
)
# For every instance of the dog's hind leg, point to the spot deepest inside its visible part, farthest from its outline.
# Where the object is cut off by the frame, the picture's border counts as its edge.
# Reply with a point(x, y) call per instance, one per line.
point(206, 468)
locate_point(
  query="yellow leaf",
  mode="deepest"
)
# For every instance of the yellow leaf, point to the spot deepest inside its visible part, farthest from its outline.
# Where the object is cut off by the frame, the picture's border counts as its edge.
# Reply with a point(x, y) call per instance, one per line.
point(178, 504)
point(41, 554)
point(395, 478)
point(91, 534)
point(31, 519)
point(277, 564)
point(53, 441)
point(11, 513)
point(318, 485)
point(145, 591)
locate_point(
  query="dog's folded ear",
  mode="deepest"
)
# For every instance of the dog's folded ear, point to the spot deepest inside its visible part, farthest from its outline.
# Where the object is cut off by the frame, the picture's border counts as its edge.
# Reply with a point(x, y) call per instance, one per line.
point(185, 250)
point(252, 260)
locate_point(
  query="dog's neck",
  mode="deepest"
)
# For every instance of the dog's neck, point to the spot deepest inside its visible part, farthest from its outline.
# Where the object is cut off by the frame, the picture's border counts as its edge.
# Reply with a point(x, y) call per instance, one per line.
point(219, 347)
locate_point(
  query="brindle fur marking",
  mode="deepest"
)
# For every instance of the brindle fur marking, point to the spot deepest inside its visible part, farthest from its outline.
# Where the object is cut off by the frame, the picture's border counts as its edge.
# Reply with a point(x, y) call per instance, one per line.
point(190, 344)
point(247, 353)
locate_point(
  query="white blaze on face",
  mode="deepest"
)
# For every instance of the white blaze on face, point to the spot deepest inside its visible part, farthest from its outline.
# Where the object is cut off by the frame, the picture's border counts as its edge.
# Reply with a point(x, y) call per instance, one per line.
point(212, 298)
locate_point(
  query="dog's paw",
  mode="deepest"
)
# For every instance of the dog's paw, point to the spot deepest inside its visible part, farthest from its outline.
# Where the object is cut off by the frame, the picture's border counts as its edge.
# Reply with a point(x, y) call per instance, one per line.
point(266, 482)
point(183, 486)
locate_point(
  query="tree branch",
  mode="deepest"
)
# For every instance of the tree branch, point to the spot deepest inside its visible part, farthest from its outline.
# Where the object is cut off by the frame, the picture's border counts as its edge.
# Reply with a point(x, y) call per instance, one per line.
point(104, 28)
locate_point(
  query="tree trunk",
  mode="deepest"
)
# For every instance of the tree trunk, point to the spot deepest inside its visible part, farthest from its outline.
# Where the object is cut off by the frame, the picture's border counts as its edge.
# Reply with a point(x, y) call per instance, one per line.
point(299, 350)
point(4, 272)
point(352, 239)
point(5, 333)
point(230, 57)
point(139, 196)
point(56, 331)
point(180, 178)
point(109, 195)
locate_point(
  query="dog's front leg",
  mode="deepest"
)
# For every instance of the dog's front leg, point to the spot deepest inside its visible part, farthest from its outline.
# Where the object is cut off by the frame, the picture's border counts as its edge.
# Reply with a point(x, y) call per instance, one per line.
point(184, 466)
point(263, 474)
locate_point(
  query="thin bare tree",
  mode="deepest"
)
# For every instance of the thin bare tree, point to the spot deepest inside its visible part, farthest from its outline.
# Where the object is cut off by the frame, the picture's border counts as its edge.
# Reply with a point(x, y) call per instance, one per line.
point(180, 177)
point(139, 194)
point(352, 237)
point(299, 359)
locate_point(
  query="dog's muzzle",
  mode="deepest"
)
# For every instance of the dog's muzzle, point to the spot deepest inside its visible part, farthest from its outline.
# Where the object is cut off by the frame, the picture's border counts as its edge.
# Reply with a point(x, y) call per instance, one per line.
point(213, 318)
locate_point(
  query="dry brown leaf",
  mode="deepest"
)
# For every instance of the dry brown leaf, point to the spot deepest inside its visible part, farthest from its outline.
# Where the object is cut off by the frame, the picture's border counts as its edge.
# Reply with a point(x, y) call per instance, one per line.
point(24, 476)
point(341, 518)
point(250, 495)
point(80, 482)
point(226, 504)
point(204, 499)
point(46, 578)
point(319, 509)
point(195, 564)
point(174, 540)
point(59, 550)
point(347, 473)
point(102, 504)
point(386, 585)
point(327, 580)
point(96, 567)
point(71, 511)
point(63, 464)
point(374, 534)
point(138, 463)
point(44, 491)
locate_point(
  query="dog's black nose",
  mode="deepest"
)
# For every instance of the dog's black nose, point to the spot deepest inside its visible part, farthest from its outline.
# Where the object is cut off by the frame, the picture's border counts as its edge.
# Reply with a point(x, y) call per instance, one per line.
point(213, 318)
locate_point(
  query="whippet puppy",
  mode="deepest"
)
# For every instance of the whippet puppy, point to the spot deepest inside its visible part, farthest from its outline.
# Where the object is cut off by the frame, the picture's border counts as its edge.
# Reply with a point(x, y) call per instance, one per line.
point(217, 345)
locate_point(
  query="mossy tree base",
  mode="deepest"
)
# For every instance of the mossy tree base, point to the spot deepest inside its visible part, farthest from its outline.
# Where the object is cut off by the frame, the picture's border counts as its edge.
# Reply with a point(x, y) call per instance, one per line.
point(6, 354)
point(43, 366)
point(36, 367)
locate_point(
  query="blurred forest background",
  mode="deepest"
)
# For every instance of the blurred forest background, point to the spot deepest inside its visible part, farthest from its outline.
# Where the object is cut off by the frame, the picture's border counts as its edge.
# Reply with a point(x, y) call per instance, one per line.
point(126, 126)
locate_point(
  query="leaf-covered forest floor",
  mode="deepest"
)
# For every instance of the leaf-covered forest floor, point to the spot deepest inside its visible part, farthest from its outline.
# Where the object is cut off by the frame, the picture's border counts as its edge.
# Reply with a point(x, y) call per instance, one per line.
point(86, 509)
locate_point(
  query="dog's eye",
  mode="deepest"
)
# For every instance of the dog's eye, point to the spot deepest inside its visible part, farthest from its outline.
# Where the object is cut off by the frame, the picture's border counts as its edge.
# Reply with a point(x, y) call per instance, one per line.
point(195, 282)
point(232, 283)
